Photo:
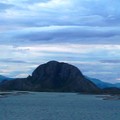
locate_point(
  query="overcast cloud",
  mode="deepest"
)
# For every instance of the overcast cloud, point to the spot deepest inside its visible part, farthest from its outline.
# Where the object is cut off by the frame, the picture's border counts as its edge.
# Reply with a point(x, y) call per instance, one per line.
point(85, 33)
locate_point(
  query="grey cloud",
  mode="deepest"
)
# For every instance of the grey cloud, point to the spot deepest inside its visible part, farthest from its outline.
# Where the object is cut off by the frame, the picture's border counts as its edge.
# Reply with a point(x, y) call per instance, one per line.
point(110, 61)
point(105, 72)
point(56, 34)
point(4, 6)
point(81, 12)
point(80, 22)
point(73, 33)
point(13, 61)
point(9, 60)
point(34, 1)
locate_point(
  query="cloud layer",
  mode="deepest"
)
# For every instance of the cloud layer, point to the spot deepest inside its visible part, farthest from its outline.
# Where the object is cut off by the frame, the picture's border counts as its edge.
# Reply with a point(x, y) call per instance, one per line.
point(81, 21)
point(85, 33)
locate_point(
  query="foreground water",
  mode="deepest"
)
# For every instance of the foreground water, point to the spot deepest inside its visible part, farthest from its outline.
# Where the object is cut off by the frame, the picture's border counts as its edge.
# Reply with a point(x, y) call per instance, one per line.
point(58, 106)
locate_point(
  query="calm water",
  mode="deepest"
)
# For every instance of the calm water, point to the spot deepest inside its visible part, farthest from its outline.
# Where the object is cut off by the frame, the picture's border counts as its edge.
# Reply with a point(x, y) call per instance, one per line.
point(58, 106)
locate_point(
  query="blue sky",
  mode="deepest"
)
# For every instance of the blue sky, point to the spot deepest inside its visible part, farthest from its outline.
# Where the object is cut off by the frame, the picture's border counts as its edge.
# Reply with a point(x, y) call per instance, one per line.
point(85, 33)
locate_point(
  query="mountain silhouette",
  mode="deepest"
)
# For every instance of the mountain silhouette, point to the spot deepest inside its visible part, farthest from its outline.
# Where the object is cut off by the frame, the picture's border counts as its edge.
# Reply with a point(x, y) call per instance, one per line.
point(53, 76)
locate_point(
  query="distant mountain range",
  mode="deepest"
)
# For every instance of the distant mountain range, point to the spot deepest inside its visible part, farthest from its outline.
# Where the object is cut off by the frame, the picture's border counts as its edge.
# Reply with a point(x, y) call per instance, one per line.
point(102, 84)
point(4, 78)
point(56, 76)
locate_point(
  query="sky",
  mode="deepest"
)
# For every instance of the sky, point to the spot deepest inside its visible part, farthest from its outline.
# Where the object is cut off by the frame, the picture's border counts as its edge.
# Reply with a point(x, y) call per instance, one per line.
point(84, 33)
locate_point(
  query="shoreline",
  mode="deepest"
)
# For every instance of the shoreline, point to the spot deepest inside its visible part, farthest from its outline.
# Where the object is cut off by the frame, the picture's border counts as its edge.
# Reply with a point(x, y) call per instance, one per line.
point(15, 93)
point(109, 97)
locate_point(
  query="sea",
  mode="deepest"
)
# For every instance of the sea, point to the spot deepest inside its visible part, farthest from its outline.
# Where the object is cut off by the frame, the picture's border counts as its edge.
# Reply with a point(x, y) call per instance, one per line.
point(58, 106)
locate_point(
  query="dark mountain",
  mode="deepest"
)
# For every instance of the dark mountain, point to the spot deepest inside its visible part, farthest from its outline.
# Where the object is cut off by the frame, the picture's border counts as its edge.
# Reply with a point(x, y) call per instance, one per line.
point(102, 84)
point(53, 76)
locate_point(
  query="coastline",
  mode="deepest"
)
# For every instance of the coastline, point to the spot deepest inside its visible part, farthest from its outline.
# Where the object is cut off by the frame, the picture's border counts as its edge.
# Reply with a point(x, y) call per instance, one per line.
point(15, 93)
point(12, 93)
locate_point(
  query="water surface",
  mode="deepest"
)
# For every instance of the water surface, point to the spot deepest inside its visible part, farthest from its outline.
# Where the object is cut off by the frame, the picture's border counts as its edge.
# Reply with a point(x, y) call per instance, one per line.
point(58, 106)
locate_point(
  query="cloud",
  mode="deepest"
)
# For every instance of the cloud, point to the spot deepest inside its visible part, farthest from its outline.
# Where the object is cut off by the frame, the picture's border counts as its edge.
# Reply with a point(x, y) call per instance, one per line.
point(59, 12)
point(66, 33)
point(85, 33)
point(62, 34)
point(33, 2)
point(5, 6)
point(9, 60)
point(118, 79)
point(24, 1)
point(58, 21)
point(111, 61)
point(22, 75)
point(24, 59)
